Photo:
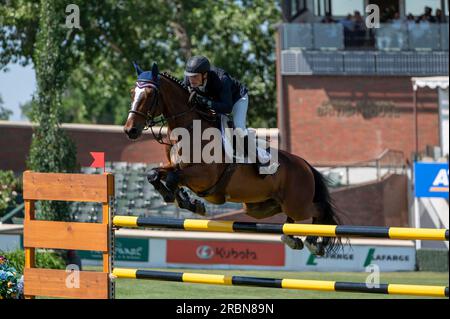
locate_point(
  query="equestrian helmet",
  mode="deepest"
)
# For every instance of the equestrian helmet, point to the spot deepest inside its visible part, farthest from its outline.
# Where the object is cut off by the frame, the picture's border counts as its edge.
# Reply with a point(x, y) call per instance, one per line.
point(197, 64)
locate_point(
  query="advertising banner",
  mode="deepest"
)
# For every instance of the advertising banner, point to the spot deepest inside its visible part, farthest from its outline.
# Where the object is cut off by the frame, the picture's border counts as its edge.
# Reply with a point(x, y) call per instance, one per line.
point(225, 252)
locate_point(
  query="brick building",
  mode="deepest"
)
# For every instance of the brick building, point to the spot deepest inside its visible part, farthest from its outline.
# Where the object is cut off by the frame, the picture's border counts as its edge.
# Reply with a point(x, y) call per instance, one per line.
point(344, 99)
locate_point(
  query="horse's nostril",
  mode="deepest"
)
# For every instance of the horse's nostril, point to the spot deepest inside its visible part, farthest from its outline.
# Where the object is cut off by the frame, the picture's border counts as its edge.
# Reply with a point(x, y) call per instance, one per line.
point(133, 131)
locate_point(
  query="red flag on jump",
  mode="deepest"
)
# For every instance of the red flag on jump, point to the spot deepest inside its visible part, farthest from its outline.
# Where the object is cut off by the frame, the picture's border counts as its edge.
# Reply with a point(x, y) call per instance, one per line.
point(99, 159)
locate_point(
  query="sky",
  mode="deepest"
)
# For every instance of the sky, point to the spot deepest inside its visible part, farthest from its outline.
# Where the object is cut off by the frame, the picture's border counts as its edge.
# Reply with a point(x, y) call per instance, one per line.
point(16, 87)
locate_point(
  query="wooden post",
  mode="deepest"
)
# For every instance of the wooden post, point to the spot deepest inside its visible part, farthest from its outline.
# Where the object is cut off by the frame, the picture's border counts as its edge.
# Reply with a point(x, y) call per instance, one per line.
point(67, 235)
point(416, 127)
point(30, 253)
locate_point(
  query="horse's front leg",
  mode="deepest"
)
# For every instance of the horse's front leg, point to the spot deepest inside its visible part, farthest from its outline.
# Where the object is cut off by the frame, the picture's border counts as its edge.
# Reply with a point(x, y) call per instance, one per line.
point(191, 204)
point(155, 176)
point(173, 183)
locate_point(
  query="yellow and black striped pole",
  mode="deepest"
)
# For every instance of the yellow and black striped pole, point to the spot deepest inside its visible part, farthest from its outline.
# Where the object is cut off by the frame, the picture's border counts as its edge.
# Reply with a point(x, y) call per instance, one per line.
point(391, 289)
point(288, 229)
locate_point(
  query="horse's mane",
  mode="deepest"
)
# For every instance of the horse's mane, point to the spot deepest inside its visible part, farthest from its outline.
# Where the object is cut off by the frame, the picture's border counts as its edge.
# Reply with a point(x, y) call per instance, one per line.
point(172, 78)
point(212, 118)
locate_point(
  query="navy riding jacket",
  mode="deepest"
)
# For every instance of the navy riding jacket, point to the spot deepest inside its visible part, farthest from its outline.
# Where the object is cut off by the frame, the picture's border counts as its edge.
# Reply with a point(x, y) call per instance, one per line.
point(222, 89)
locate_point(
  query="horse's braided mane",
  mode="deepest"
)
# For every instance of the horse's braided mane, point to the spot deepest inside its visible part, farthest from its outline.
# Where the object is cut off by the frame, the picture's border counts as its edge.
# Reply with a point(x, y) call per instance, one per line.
point(203, 114)
point(169, 76)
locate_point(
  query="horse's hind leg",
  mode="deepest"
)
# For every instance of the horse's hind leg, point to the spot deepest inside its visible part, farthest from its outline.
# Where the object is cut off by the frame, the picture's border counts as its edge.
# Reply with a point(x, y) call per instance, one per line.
point(318, 245)
point(298, 208)
point(264, 209)
point(292, 242)
point(315, 246)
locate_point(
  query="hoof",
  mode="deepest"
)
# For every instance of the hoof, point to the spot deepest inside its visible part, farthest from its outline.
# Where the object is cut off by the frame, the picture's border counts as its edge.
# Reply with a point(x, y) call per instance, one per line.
point(194, 205)
point(153, 176)
point(199, 207)
point(292, 242)
point(314, 249)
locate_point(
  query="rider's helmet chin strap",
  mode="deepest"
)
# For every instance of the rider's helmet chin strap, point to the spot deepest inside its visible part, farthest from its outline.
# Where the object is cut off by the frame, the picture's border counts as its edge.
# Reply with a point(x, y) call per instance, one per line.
point(204, 81)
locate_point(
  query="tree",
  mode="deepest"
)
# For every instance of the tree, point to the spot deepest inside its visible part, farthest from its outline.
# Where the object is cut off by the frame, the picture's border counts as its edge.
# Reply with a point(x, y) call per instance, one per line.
point(51, 150)
point(4, 112)
point(235, 35)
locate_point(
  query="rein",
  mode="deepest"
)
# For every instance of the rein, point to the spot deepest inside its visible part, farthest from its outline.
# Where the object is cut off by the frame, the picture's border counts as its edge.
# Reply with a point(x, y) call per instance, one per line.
point(149, 120)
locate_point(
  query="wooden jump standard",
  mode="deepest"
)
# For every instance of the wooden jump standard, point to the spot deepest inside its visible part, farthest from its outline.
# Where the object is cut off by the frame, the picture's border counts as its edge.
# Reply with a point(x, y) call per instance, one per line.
point(67, 235)
point(100, 237)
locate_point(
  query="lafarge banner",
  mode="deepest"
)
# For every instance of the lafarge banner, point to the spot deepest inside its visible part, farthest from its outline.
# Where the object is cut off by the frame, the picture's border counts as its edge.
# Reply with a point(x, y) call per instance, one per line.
point(359, 257)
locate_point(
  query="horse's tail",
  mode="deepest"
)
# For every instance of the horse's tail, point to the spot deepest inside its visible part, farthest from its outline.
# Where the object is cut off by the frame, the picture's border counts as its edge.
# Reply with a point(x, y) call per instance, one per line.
point(328, 209)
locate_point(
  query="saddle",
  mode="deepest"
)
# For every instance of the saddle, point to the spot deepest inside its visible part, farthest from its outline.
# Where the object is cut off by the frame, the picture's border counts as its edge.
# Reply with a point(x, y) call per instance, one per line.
point(239, 150)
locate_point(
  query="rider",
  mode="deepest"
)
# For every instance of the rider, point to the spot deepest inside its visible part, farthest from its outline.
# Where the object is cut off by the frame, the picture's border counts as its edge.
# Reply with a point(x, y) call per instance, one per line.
point(218, 90)
point(221, 92)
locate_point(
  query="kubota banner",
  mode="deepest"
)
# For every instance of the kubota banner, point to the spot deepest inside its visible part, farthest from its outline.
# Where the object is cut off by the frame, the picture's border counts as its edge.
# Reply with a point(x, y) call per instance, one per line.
point(223, 252)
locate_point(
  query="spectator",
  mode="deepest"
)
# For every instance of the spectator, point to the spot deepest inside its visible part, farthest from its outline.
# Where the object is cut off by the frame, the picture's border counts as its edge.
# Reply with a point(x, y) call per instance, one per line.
point(439, 16)
point(358, 20)
point(424, 20)
point(410, 17)
point(398, 25)
point(387, 15)
point(348, 25)
point(421, 29)
point(359, 29)
point(410, 20)
point(328, 18)
point(397, 22)
point(426, 16)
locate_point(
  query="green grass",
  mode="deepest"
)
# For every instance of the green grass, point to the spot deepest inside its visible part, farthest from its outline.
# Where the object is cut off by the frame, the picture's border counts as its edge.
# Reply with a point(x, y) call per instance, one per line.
point(151, 289)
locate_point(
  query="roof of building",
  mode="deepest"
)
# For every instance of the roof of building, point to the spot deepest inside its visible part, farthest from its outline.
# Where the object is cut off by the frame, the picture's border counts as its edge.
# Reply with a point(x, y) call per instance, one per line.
point(432, 82)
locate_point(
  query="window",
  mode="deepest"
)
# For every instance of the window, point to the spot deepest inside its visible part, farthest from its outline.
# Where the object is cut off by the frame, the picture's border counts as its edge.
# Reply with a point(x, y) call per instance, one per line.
point(297, 7)
point(321, 7)
point(344, 7)
point(294, 8)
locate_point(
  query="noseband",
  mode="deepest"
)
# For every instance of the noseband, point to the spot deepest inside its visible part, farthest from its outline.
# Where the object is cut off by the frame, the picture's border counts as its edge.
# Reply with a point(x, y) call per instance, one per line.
point(149, 122)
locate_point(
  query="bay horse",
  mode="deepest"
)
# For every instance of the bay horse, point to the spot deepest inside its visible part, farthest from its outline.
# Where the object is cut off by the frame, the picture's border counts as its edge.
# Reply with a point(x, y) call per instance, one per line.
point(296, 189)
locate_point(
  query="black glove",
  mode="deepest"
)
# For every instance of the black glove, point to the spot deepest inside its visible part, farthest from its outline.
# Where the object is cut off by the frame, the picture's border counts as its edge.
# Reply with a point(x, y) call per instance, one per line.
point(203, 101)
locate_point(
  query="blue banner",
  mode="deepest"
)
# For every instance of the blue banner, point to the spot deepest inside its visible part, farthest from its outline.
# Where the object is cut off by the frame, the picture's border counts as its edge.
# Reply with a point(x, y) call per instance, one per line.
point(431, 179)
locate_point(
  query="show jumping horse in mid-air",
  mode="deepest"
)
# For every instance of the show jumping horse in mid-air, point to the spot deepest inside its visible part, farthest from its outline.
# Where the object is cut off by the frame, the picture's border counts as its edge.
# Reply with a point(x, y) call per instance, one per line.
point(295, 189)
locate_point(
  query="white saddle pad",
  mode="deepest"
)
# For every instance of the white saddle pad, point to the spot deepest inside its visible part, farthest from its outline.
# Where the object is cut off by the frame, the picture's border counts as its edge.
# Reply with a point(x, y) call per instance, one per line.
point(257, 146)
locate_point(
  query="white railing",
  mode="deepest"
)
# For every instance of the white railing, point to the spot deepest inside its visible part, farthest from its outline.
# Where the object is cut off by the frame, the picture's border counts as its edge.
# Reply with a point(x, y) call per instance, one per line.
point(388, 162)
point(390, 36)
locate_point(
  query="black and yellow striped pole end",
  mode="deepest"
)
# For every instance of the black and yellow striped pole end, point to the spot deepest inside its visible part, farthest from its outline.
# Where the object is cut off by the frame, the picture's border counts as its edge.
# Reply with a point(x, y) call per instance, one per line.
point(125, 273)
point(125, 221)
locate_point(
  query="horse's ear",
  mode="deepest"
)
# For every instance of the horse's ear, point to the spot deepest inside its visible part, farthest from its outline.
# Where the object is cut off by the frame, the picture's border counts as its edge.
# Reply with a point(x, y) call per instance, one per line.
point(137, 68)
point(155, 71)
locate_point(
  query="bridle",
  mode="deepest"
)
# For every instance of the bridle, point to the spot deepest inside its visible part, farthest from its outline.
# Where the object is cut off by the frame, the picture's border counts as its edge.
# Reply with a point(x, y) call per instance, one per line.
point(148, 118)
point(150, 122)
